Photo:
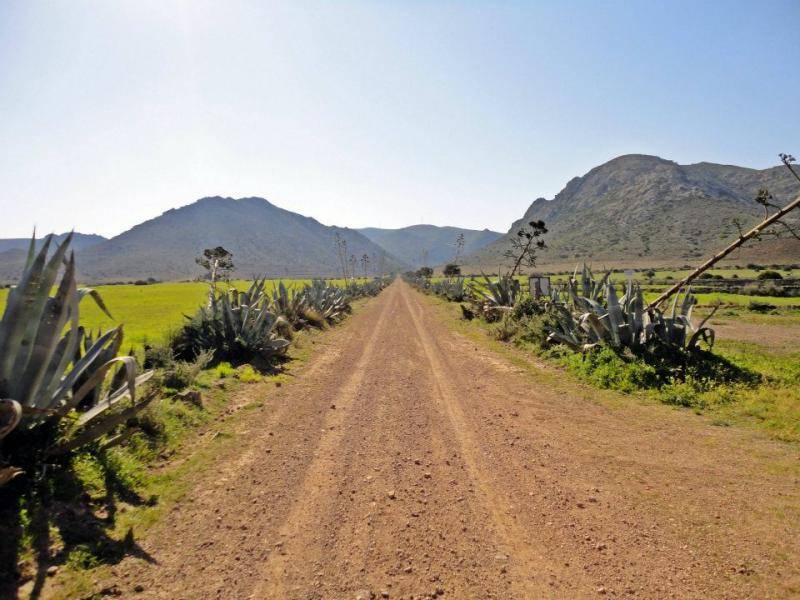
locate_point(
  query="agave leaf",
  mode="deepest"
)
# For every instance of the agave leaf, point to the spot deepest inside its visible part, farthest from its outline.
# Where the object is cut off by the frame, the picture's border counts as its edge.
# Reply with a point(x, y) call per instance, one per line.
point(102, 427)
point(561, 338)
point(80, 367)
point(50, 325)
point(95, 295)
point(63, 354)
point(10, 416)
point(31, 251)
point(96, 378)
point(705, 334)
point(7, 474)
point(128, 390)
point(615, 318)
point(20, 304)
point(33, 316)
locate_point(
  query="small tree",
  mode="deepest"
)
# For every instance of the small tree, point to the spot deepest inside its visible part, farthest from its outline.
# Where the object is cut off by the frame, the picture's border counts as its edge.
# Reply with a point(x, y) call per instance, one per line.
point(425, 272)
point(353, 263)
point(365, 263)
point(218, 262)
point(524, 246)
point(459, 247)
point(341, 253)
point(452, 270)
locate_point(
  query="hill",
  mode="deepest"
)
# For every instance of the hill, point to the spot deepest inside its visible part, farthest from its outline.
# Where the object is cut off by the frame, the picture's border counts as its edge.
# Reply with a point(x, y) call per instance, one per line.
point(437, 243)
point(638, 210)
point(265, 240)
point(79, 241)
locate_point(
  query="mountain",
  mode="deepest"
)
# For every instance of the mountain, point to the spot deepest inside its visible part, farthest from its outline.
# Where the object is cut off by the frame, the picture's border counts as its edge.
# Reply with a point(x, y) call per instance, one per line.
point(639, 210)
point(79, 241)
point(264, 239)
point(439, 243)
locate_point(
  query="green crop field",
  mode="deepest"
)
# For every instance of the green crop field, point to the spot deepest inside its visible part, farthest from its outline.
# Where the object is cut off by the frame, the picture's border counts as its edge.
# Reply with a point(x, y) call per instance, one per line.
point(149, 312)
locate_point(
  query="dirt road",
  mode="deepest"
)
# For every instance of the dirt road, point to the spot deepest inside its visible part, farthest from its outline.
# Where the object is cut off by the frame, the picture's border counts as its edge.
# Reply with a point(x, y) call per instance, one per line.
point(406, 462)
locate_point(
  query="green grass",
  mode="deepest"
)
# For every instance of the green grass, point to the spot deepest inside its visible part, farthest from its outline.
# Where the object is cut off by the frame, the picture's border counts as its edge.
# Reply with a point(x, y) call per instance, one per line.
point(662, 274)
point(734, 299)
point(149, 312)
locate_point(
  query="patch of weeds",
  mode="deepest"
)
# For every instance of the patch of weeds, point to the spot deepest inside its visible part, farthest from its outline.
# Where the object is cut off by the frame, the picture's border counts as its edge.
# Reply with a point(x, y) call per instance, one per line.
point(505, 329)
point(535, 328)
point(681, 393)
point(247, 374)
point(82, 557)
point(609, 370)
point(222, 370)
point(174, 375)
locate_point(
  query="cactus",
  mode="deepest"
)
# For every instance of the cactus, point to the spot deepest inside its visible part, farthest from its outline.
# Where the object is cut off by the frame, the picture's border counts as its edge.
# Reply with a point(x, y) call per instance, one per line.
point(589, 313)
point(50, 369)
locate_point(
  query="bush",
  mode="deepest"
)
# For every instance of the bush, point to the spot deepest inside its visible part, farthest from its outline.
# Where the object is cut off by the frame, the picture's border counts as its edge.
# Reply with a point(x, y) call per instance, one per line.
point(176, 374)
point(536, 328)
point(680, 393)
point(527, 307)
point(761, 307)
point(505, 329)
point(452, 270)
point(769, 275)
point(609, 370)
point(767, 288)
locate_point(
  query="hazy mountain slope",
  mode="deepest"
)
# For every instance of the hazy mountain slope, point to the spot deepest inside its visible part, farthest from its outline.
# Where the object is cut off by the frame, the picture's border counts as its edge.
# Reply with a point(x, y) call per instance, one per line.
point(409, 243)
point(79, 241)
point(264, 239)
point(638, 209)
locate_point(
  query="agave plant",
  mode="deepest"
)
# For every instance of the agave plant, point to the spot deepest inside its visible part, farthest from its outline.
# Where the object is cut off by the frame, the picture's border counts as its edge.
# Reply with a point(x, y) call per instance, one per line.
point(325, 303)
point(501, 293)
point(290, 304)
point(45, 377)
point(455, 290)
point(372, 287)
point(589, 314)
point(235, 325)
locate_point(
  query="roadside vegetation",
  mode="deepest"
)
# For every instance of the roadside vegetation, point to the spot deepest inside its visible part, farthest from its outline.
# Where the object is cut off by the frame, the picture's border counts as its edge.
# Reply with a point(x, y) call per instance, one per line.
point(638, 335)
point(83, 421)
point(751, 374)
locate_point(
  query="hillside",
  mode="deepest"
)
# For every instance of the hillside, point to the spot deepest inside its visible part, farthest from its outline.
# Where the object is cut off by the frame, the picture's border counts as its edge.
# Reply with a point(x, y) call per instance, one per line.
point(79, 241)
point(438, 243)
point(265, 240)
point(640, 210)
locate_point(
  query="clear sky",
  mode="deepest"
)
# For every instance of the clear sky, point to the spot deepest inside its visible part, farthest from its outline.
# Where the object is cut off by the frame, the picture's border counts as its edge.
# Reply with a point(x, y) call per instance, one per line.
point(374, 113)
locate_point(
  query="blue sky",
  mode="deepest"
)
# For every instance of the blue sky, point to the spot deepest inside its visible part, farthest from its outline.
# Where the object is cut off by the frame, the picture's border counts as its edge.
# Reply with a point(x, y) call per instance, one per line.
point(374, 113)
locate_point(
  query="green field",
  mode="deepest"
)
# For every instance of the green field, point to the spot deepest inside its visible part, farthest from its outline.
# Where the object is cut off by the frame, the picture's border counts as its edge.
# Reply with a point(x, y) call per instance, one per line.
point(661, 275)
point(149, 312)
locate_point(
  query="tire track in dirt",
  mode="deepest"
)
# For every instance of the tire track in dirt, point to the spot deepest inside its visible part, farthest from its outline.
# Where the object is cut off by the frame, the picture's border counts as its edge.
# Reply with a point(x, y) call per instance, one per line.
point(317, 478)
point(516, 543)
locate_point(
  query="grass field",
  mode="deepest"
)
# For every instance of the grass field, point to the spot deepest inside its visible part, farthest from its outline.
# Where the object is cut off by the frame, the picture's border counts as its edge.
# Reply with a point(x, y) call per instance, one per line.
point(149, 312)
point(661, 275)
